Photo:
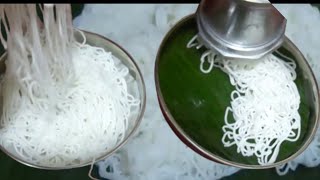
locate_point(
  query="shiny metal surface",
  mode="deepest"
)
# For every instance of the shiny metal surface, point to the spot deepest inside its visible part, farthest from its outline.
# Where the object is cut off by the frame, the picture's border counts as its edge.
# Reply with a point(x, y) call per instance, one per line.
point(103, 42)
point(240, 28)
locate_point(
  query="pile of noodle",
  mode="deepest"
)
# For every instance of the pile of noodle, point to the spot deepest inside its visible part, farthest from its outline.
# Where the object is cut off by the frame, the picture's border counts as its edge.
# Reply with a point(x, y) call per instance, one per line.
point(64, 102)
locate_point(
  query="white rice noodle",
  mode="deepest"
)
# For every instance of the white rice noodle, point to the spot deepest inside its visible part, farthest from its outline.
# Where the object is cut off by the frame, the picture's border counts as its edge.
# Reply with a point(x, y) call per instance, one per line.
point(64, 103)
point(264, 105)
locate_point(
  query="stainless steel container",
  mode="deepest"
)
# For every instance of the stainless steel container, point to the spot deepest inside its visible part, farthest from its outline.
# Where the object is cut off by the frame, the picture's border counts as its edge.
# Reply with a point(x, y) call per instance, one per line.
point(312, 95)
point(125, 58)
point(240, 28)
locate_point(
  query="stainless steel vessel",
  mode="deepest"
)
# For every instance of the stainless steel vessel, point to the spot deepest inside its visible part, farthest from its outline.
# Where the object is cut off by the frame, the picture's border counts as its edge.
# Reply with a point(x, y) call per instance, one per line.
point(246, 29)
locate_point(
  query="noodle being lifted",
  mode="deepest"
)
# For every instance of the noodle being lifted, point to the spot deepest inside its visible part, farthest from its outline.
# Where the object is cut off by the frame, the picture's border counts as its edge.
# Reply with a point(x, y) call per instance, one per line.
point(264, 105)
point(64, 103)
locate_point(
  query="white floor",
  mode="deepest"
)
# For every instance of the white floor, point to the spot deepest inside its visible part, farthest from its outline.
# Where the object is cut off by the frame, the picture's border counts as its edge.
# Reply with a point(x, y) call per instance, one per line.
point(156, 153)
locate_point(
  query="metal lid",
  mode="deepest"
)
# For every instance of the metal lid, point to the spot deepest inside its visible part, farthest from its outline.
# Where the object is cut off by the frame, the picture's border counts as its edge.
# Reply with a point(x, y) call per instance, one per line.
point(245, 29)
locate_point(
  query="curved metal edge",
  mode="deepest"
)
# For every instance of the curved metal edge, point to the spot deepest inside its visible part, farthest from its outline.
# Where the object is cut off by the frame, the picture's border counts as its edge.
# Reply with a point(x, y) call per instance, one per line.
point(315, 85)
point(255, 3)
point(235, 51)
point(187, 140)
point(109, 153)
point(164, 108)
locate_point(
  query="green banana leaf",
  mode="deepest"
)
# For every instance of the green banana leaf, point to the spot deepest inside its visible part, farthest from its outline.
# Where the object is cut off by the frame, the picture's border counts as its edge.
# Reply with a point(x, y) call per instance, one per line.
point(198, 101)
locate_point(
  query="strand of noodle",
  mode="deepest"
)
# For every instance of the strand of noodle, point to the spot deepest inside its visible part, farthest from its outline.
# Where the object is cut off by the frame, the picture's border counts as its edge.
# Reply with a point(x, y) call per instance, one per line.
point(3, 41)
point(41, 8)
point(286, 57)
point(90, 171)
point(36, 49)
point(210, 61)
point(192, 42)
point(4, 20)
point(83, 37)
